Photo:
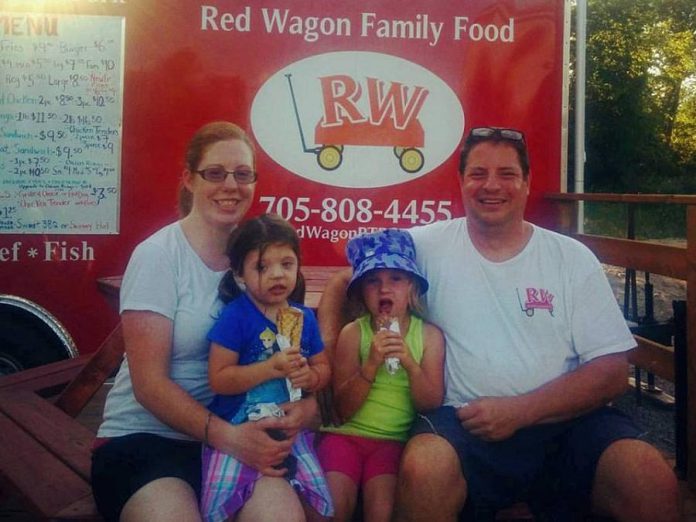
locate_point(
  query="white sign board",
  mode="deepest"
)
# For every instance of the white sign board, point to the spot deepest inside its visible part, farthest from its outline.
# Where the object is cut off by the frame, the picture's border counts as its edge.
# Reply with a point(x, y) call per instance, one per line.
point(61, 105)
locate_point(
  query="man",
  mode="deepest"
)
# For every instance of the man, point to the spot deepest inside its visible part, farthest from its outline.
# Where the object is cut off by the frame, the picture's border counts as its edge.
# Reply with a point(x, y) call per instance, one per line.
point(535, 350)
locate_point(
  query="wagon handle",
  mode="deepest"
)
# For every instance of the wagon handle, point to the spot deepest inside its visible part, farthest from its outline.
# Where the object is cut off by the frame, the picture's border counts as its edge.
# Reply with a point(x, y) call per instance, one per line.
point(297, 116)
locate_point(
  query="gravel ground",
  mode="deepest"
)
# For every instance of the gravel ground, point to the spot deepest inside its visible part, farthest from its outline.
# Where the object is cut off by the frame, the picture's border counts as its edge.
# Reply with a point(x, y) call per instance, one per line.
point(654, 416)
point(665, 290)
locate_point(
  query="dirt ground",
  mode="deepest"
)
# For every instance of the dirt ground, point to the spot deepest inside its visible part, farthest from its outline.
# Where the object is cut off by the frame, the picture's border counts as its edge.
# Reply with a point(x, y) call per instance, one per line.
point(655, 417)
point(665, 290)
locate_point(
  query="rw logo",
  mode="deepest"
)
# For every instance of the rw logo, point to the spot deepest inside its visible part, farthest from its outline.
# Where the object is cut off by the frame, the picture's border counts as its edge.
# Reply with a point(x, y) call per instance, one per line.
point(536, 299)
point(346, 109)
point(389, 101)
point(390, 119)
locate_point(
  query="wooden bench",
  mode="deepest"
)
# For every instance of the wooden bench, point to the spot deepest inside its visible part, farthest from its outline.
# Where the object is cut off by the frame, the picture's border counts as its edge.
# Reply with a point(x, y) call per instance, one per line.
point(45, 457)
point(45, 453)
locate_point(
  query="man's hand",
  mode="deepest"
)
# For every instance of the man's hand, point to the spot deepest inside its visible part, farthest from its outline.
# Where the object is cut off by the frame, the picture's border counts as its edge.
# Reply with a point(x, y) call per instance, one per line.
point(492, 418)
point(591, 385)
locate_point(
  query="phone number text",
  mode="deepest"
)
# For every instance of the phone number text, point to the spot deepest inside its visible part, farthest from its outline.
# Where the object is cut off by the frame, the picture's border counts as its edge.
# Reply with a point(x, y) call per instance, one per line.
point(348, 210)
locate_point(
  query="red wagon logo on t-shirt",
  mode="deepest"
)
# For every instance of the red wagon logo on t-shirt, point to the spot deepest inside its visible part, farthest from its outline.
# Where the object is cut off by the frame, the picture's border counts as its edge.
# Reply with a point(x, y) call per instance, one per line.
point(536, 299)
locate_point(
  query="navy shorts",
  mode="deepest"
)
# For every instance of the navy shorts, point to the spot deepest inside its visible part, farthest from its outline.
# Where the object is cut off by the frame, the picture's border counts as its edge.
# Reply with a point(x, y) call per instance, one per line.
point(122, 465)
point(550, 466)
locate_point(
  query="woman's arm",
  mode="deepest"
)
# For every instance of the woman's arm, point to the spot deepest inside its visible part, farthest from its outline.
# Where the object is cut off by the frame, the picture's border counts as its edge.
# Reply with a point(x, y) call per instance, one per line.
point(148, 338)
point(148, 341)
point(250, 443)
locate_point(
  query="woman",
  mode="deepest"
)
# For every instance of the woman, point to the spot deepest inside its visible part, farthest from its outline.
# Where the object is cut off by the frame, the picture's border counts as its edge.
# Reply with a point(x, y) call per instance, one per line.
point(146, 463)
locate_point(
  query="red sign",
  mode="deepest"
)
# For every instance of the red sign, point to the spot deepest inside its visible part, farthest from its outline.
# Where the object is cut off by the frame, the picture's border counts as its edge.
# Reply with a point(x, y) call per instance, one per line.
point(358, 111)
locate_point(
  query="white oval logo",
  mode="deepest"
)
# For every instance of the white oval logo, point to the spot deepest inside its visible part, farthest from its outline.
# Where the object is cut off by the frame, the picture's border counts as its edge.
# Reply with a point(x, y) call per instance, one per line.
point(357, 119)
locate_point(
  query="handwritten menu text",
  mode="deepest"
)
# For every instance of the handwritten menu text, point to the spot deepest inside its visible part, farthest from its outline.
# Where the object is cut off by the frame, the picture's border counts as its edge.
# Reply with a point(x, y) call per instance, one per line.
point(61, 101)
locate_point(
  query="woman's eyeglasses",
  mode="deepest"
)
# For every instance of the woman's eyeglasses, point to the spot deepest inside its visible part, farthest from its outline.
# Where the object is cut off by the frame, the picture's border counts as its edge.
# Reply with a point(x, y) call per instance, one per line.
point(217, 174)
point(487, 132)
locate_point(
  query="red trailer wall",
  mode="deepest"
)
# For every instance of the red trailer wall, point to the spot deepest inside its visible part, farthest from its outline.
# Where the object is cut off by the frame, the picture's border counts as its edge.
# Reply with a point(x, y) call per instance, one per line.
point(482, 62)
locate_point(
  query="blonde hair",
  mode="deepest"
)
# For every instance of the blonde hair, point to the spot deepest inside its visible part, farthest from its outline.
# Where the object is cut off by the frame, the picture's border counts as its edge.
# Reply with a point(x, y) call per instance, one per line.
point(416, 305)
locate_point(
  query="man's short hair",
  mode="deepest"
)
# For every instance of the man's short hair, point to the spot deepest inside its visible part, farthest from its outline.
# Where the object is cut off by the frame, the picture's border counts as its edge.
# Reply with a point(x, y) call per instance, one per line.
point(512, 137)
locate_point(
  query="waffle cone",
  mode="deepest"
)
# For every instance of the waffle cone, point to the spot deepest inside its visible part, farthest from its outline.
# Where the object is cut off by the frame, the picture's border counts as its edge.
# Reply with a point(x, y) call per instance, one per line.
point(289, 323)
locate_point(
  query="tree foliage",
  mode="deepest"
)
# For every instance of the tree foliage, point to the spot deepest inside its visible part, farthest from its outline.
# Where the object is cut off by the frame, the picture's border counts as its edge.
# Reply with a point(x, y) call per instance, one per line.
point(641, 96)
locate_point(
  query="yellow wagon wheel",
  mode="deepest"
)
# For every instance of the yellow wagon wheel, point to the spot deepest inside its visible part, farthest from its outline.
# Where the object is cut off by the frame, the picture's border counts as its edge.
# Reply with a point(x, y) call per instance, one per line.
point(411, 160)
point(330, 157)
point(398, 151)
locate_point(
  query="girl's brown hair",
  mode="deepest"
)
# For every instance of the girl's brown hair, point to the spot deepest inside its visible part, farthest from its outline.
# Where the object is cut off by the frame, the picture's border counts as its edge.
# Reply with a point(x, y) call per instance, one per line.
point(258, 234)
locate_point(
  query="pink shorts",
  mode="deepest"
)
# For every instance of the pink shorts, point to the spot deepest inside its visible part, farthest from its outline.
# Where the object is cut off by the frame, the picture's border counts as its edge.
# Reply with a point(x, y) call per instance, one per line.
point(360, 458)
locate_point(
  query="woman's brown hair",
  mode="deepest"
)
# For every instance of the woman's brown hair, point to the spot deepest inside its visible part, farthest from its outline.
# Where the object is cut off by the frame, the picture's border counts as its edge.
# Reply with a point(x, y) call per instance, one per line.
point(208, 135)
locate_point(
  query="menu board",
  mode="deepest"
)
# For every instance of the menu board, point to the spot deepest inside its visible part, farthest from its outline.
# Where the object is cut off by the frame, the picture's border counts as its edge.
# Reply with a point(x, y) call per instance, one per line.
point(61, 106)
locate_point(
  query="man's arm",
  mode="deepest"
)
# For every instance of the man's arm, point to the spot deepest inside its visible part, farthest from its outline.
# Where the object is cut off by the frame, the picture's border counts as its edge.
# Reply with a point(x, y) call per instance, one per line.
point(332, 312)
point(590, 386)
point(332, 315)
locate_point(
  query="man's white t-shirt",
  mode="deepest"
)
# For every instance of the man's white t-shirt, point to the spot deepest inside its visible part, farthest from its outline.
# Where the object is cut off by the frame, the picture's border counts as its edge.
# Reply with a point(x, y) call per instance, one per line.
point(512, 326)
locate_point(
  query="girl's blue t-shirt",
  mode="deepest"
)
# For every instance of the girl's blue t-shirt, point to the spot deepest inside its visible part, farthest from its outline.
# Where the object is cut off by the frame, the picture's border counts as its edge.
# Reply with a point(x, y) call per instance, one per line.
point(242, 327)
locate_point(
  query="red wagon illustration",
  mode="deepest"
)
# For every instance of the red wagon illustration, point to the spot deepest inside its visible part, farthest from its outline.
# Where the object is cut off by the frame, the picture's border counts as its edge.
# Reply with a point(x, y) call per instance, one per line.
point(534, 303)
point(332, 139)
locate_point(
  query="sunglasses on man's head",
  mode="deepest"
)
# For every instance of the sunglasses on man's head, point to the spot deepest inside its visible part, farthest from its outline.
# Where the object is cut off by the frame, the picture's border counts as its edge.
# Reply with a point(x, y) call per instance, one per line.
point(217, 174)
point(488, 132)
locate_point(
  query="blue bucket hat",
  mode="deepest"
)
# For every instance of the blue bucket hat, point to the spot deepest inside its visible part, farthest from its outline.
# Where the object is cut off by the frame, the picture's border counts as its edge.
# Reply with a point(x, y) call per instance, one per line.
point(390, 248)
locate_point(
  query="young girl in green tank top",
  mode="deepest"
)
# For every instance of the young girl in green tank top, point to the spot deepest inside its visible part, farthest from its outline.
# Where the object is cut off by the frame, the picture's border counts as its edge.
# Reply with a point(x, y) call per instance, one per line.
point(388, 365)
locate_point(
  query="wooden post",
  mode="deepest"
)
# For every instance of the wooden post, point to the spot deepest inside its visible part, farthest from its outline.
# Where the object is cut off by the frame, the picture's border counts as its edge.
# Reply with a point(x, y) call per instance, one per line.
point(691, 342)
point(567, 216)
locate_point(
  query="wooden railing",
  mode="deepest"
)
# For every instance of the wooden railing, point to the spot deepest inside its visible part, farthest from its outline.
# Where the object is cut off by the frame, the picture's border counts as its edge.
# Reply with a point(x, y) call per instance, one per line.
point(670, 261)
